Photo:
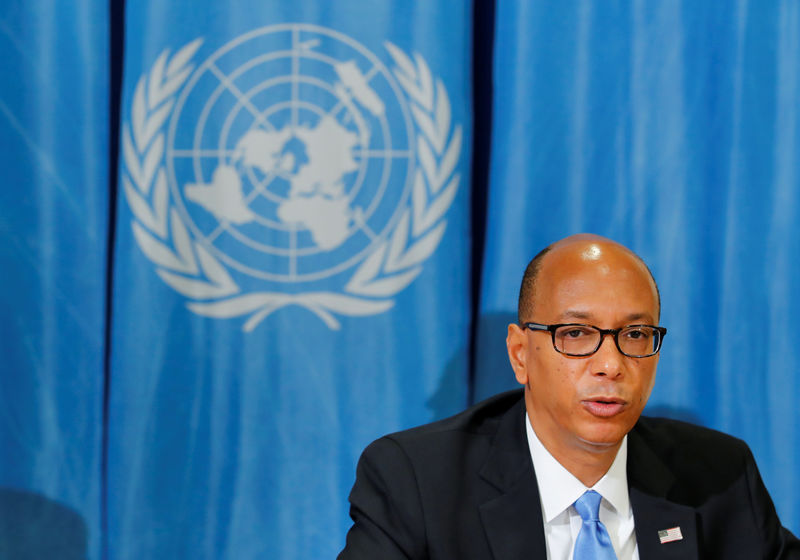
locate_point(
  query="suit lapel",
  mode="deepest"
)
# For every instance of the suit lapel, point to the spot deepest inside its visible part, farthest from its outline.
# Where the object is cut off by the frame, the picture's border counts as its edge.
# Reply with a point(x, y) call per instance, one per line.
point(649, 482)
point(512, 520)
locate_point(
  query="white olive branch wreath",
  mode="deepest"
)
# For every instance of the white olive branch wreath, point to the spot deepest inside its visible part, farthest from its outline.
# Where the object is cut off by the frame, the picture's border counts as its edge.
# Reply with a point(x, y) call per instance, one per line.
point(190, 269)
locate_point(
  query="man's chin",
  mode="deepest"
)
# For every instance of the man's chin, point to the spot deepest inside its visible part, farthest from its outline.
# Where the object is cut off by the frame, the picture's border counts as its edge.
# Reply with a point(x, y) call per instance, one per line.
point(602, 438)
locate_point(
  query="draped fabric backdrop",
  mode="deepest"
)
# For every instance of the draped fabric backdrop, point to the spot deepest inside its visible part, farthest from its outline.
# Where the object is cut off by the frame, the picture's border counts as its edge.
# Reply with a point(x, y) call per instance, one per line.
point(236, 422)
point(54, 99)
point(289, 253)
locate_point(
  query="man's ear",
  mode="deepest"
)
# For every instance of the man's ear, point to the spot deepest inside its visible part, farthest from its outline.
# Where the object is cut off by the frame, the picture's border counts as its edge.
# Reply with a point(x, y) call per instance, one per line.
point(517, 346)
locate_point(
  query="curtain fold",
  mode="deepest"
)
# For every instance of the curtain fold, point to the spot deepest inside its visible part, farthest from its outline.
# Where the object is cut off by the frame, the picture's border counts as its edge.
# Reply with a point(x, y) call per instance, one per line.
point(53, 240)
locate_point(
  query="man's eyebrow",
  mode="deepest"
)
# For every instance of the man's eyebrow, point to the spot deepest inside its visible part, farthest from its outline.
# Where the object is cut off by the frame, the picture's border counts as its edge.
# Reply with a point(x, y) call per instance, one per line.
point(638, 317)
point(575, 314)
point(586, 316)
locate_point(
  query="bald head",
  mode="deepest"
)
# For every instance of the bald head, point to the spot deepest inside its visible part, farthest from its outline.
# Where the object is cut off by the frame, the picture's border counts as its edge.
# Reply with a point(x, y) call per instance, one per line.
point(558, 260)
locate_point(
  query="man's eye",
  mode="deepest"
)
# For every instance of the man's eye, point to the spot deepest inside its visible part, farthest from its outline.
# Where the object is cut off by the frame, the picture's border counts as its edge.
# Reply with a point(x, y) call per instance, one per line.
point(636, 334)
point(575, 333)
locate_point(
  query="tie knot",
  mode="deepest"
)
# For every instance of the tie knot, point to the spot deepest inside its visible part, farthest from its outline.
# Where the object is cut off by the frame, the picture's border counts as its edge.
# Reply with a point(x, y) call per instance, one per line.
point(588, 505)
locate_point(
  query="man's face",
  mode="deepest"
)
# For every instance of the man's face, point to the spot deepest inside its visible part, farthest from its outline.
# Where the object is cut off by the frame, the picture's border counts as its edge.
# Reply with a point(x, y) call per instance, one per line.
point(588, 403)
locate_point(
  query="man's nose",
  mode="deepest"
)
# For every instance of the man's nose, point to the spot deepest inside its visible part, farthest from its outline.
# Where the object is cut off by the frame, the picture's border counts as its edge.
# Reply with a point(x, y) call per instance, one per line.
point(608, 359)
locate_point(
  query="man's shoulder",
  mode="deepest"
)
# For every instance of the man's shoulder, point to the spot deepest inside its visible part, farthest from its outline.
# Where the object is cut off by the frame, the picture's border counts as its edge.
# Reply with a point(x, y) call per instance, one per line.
point(676, 434)
point(479, 421)
point(688, 448)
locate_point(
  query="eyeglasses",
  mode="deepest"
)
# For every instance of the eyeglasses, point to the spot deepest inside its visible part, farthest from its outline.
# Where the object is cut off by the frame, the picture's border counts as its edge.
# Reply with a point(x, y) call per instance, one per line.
point(578, 340)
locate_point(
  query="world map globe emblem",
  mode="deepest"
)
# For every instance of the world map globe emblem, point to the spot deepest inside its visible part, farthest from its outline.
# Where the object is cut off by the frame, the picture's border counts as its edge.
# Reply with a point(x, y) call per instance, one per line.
point(290, 153)
point(290, 168)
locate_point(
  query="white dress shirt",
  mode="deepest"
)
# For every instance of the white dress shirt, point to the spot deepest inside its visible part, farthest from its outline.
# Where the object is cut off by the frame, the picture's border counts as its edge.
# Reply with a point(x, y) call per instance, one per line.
point(558, 490)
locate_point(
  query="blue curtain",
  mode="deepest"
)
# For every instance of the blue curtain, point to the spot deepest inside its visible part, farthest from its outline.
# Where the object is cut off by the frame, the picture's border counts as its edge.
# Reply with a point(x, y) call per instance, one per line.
point(203, 328)
point(291, 271)
point(53, 240)
point(673, 128)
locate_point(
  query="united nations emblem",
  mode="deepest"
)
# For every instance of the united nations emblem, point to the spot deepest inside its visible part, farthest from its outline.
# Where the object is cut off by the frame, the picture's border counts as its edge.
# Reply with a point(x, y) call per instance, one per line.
point(291, 167)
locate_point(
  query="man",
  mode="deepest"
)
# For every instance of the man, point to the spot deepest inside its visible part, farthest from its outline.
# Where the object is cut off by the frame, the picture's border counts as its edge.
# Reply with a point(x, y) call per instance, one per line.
point(566, 468)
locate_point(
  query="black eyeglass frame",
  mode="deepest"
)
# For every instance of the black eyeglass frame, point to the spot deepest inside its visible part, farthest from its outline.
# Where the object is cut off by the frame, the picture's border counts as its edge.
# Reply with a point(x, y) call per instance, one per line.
point(603, 332)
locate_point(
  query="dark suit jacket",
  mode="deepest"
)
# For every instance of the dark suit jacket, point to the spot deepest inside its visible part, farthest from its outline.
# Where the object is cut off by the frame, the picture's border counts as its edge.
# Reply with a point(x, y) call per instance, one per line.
point(464, 488)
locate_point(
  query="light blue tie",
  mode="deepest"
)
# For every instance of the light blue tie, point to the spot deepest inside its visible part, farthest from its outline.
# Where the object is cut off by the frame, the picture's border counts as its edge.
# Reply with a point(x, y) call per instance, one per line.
point(593, 542)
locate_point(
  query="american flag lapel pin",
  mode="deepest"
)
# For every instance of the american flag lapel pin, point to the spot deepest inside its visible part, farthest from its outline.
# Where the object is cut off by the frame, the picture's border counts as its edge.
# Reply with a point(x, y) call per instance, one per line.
point(669, 535)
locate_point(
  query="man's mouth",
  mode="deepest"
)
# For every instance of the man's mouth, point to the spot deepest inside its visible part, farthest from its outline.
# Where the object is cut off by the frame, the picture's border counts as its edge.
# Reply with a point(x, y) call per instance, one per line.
point(604, 407)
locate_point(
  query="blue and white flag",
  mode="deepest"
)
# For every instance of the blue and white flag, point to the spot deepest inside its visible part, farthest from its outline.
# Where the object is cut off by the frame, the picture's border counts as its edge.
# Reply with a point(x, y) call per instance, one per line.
point(630, 122)
point(292, 264)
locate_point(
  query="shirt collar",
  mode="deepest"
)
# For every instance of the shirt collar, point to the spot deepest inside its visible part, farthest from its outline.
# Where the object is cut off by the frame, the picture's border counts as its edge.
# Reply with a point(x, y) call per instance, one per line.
point(558, 488)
